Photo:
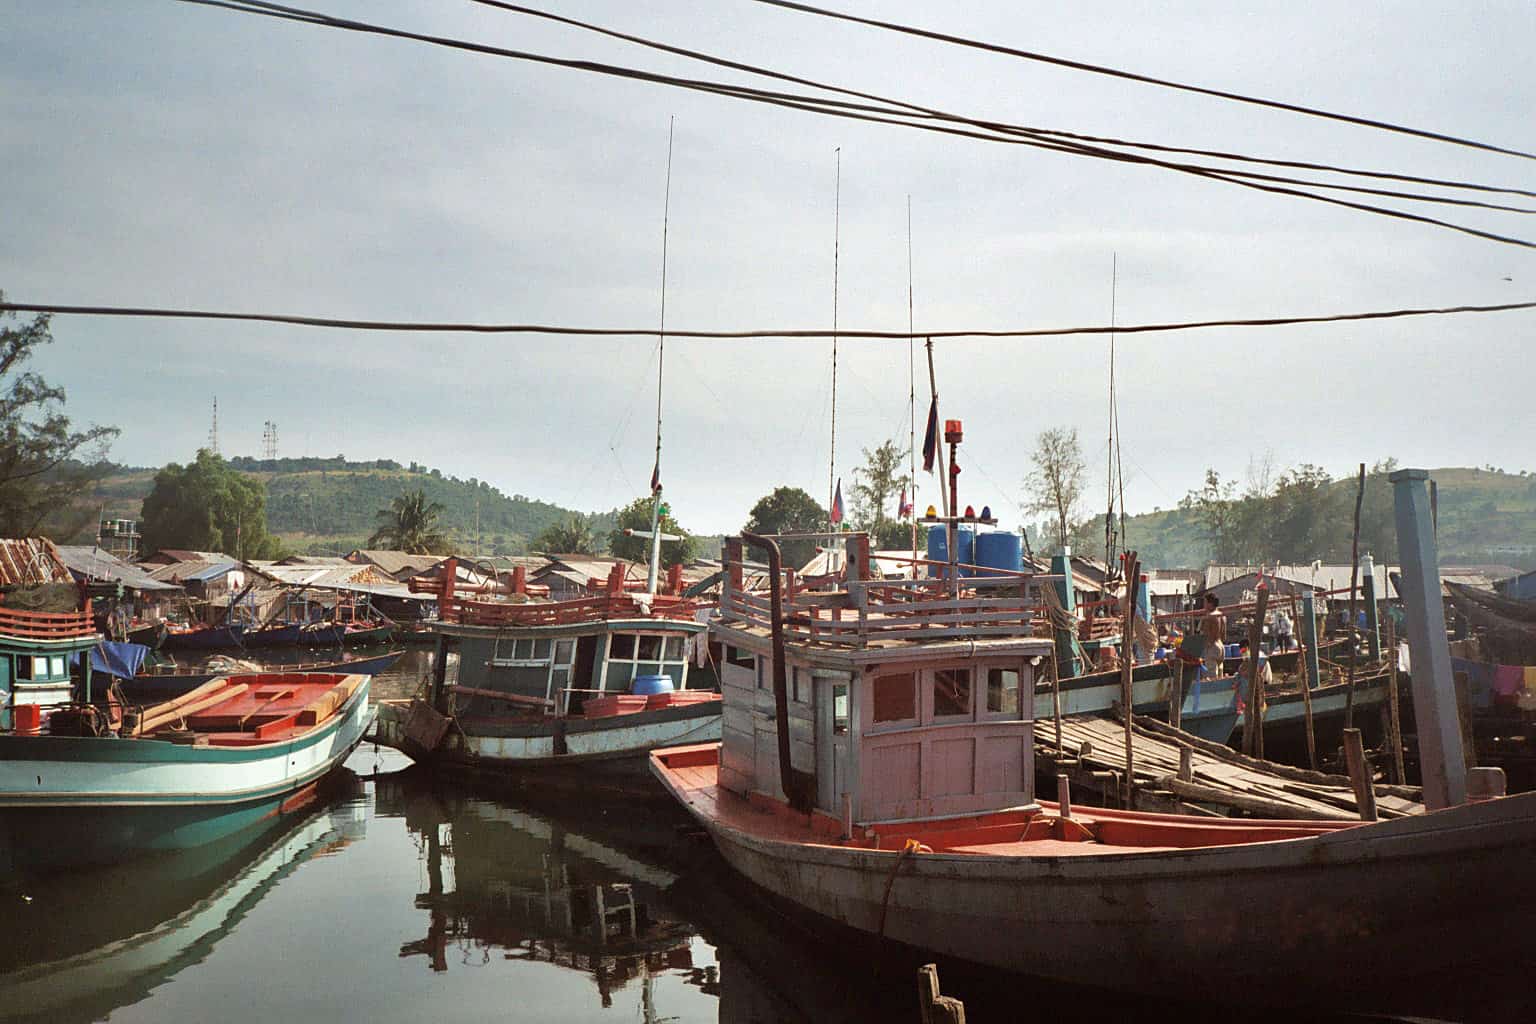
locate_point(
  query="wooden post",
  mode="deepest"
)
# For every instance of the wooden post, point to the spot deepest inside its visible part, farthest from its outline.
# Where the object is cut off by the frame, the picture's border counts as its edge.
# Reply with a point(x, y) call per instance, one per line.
point(1066, 648)
point(1127, 701)
point(1056, 700)
point(1064, 795)
point(1394, 719)
point(1176, 696)
point(1360, 774)
point(1253, 720)
point(1354, 589)
point(1314, 669)
point(1186, 764)
point(932, 1007)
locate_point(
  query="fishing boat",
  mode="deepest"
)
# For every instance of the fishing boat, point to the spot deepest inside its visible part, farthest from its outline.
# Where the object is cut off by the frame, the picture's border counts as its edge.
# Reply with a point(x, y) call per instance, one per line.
point(575, 692)
point(81, 785)
point(182, 637)
point(157, 684)
point(352, 634)
point(150, 635)
point(876, 772)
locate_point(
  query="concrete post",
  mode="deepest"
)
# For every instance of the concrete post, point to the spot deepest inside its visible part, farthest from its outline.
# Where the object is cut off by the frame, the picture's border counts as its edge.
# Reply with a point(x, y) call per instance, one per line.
point(1441, 757)
point(1066, 649)
point(1372, 615)
point(1308, 626)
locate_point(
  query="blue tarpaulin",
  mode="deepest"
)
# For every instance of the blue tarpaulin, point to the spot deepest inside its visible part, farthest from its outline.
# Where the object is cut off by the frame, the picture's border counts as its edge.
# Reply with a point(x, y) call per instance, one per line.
point(118, 659)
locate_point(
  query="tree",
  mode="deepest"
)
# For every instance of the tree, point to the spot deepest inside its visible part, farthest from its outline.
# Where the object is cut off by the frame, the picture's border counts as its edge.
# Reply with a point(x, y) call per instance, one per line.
point(45, 466)
point(1303, 519)
point(207, 506)
point(637, 516)
point(1056, 485)
point(876, 486)
point(410, 524)
point(572, 537)
point(789, 510)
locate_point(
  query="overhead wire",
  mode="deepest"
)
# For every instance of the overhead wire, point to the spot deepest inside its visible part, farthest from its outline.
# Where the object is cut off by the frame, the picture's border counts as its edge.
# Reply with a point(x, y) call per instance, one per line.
point(430, 327)
point(888, 115)
point(1099, 69)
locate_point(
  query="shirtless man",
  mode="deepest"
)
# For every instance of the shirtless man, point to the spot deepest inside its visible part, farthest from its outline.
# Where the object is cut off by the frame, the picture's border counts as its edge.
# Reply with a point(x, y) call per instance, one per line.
point(1213, 627)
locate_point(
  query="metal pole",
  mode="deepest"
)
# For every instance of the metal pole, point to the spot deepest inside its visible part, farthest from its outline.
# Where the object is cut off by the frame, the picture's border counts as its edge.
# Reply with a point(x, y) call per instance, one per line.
point(1372, 616)
point(1441, 758)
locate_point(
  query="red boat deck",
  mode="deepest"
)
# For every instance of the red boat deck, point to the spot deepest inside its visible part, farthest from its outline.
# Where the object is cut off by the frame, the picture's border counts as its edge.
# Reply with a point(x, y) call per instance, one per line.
point(692, 773)
point(272, 707)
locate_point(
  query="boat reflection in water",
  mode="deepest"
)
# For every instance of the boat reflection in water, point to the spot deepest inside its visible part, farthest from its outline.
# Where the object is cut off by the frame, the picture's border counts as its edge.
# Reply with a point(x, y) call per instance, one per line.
point(503, 882)
point(81, 945)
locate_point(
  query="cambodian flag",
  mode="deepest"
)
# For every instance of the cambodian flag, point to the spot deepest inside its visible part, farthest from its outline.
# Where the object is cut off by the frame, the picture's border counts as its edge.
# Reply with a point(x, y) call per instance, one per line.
point(656, 477)
point(931, 436)
point(837, 503)
point(904, 508)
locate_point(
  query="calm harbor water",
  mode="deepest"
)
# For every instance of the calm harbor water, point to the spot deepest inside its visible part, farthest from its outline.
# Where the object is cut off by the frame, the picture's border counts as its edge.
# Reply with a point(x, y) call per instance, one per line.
point(402, 898)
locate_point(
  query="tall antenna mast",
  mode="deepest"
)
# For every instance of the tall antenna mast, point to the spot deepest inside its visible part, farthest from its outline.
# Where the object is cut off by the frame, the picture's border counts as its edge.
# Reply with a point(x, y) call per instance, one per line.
point(1109, 444)
point(213, 431)
point(661, 360)
point(837, 206)
point(911, 393)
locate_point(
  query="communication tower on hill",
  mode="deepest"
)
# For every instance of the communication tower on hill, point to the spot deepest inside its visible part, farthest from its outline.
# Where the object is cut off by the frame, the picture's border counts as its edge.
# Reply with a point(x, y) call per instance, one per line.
point(213, 431)
point(269, 440)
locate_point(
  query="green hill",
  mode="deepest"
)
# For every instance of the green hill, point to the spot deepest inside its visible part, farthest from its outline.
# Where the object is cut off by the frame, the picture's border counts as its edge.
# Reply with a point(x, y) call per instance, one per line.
point(1485, 516)
point(330, 505)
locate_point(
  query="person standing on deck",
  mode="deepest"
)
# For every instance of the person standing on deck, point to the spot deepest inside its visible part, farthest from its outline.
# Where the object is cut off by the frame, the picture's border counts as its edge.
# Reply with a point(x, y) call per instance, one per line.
point(1282, 630)
point(1213, 628)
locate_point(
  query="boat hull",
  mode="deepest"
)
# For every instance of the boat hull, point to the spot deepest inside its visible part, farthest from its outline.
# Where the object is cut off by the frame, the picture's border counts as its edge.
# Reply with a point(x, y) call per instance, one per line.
point(602, 752)
point(213, 638)
point(146, 689)
point(75, 800)
point(1346, 911)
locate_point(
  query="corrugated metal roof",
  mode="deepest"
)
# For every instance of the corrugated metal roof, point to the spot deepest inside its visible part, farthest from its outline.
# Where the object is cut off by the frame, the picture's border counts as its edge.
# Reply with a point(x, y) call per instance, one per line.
point(394, 563)
point(92, 563)
point(27, 560)
point(194, 570)
point(1326, 577)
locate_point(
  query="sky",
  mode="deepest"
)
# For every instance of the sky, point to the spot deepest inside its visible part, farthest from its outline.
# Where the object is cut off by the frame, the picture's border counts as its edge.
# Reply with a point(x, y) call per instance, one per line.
point(161, 154)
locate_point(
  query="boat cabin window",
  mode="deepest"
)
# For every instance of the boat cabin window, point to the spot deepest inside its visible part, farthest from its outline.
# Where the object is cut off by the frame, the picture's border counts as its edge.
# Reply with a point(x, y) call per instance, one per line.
point(650, 648)
point(1003, 691)
point(737, 656)
point(521, 651)
point(674, 649)
point(840, 709)
point(644, 654)
point(40, 668)
point(952, 693)
point(895, 697)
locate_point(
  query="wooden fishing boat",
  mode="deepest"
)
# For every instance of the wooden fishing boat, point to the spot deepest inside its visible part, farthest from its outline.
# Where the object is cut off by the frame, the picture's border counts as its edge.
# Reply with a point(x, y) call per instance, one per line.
point(151, 635)
point(281, 634)
point(78, 785)
point(154, 685)
point(546, 690)
point(351, 634)
point(203, 638)
point(884, 782)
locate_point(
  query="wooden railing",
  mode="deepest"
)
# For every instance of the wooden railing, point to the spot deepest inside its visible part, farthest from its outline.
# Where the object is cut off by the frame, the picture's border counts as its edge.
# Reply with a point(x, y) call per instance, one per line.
point(27, 625)
point(564, 613)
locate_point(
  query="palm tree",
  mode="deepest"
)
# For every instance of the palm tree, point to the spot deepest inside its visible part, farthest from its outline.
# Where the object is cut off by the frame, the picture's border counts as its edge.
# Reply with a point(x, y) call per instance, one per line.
point(410, 525)
point(572, 538)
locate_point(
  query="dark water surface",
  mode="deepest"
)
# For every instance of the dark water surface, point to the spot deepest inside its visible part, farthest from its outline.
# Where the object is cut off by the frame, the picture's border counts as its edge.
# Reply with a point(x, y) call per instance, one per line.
point(399, 898)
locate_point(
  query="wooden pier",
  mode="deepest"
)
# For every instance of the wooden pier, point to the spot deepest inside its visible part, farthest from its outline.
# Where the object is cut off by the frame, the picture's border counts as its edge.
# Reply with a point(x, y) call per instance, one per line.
point(1178, 772)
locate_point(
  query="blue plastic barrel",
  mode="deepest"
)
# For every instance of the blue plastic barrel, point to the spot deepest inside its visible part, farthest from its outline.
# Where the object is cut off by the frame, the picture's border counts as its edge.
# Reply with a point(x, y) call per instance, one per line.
point(938, 546)
point(1000, 550)
point(646, 685)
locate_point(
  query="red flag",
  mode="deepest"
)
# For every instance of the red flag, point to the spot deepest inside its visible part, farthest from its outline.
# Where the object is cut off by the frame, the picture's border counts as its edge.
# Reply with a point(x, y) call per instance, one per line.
point(931, 436)
point(656, 477)
point(903, 510)
point(837, 504)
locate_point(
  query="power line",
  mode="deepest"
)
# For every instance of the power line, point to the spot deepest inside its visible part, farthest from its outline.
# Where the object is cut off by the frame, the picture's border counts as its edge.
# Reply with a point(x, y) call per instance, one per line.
point(891, 114)
point(428, 327)
point(1099, 69)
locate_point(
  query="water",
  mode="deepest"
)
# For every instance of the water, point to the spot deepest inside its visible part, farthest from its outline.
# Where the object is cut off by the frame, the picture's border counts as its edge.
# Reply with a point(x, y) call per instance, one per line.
point(400, 898)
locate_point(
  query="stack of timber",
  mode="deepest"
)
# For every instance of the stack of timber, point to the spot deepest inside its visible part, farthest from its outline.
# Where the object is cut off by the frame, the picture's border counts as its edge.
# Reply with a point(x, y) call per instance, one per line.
point(1092, 755)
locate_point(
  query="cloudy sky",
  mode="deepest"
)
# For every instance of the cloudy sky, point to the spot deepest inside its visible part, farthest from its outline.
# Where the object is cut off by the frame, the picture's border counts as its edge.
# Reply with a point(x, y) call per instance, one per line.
point(161, 154)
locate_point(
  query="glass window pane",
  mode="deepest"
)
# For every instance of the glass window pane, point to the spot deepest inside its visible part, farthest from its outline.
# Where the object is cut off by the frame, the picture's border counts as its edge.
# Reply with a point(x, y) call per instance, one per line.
point(650, 648)
point(895, 697)
point(56, 666)
point(794, 683)
point(563, 651)
point(622, 645)
point(39, 668)
point(541, 649)
point(951, 692)
point(674, 651)
point(840, 709)
point(619, 675)
point(524, 650)
point(1003, 690)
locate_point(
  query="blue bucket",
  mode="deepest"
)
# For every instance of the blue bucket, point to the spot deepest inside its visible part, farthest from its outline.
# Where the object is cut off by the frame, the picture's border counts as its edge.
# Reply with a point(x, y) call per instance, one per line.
point(644, 686)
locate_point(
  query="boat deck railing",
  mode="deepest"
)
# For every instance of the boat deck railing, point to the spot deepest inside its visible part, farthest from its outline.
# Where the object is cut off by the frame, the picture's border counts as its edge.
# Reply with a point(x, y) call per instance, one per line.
point(855, 607)
point(512, 604)
point(28, 625)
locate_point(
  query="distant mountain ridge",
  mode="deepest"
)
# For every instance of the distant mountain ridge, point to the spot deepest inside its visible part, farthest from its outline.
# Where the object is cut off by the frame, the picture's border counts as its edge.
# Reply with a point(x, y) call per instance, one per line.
point(330, 505)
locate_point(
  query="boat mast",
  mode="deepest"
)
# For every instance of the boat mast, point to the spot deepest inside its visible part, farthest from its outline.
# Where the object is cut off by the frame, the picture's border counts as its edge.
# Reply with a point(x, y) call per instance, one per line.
point(1109, 444)
point(837, 204)
point(661, 359)
point(911, 394)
